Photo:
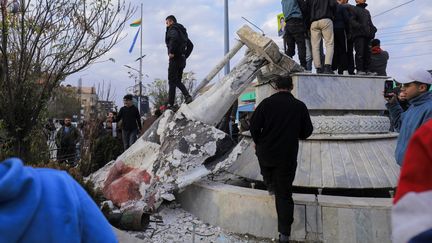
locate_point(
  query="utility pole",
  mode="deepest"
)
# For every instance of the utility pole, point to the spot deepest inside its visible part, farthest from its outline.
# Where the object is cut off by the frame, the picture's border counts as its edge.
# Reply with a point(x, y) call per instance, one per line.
point(140, 69)
point(226, 17)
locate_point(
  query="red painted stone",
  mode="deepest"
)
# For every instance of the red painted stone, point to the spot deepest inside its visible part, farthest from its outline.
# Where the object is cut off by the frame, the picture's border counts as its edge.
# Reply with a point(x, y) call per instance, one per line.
point(123, 183)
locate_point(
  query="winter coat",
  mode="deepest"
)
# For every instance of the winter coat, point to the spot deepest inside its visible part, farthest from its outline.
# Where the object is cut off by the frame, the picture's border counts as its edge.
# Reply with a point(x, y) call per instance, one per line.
point(291, 9)
point(342, 17)
point(130, 117)
point(69, 139)
point(276, 126)
point(321, 9)
point(361, 22)
point(406, 123)
point(45, 205)
point(177, 41)
point(379, 60)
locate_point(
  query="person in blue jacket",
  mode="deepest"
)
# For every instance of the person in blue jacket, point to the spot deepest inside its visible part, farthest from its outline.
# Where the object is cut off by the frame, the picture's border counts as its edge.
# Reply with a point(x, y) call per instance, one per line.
point(45, 205)
point(416, 87)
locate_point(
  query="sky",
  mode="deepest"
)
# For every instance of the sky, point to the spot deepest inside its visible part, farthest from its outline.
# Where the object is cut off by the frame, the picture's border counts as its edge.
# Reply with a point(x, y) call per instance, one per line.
point(405, 32)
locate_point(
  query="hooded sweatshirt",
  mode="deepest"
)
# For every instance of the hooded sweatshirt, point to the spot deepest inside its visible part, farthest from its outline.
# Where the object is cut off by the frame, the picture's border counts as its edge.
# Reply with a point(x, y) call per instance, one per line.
point(406, 123)
point(44, 205)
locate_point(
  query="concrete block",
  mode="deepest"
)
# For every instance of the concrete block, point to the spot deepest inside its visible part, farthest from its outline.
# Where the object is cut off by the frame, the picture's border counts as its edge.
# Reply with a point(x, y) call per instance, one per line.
point(318, 92)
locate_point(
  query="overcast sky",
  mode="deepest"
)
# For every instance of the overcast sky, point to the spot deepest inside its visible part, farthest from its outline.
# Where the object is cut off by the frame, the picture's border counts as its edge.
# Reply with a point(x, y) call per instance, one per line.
point(406, 33)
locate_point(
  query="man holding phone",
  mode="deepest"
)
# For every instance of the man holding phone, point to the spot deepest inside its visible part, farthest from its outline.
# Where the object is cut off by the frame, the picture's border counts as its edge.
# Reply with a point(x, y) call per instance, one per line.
point(416, 87)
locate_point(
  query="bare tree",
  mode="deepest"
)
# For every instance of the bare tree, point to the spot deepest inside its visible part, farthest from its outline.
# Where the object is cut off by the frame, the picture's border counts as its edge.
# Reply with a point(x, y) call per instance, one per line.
point(158, 89)
point(42, 43)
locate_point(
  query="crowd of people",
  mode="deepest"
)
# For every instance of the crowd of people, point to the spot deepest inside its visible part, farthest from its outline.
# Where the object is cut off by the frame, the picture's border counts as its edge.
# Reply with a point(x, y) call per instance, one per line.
point(124, 127)
point(341, 28)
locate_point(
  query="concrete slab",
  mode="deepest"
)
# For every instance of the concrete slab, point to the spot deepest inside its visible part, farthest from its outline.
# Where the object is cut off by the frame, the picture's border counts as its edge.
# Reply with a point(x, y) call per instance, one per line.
point(332, 219)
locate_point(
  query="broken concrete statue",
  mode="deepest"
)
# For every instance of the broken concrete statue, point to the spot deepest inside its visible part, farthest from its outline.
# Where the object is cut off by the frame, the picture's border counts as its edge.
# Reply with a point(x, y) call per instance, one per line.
point(181, 148)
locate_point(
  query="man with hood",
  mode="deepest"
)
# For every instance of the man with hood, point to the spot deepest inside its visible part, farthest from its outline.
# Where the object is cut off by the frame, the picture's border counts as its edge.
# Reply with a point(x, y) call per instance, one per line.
point(45, 205)
point(416, 88)
point(179, 49)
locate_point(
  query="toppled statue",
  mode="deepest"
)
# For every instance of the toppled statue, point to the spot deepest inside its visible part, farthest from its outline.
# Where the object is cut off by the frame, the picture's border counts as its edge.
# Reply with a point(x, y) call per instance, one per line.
point(181, 148)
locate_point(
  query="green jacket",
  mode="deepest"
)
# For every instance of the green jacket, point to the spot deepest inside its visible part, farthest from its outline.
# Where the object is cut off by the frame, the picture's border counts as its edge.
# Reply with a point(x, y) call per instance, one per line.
point(64, 139)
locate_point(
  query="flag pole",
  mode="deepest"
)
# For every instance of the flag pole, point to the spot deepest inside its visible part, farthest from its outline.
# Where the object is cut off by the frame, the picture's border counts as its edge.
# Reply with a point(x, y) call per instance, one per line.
point(140, 70)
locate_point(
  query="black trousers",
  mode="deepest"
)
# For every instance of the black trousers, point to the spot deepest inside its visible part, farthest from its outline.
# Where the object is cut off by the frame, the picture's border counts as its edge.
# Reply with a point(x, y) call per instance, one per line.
point(350, 56)
point(175, 75)
point(66, 153)
point(363, 53)
point(340, 58)
point(295, 34)
point(281, 178)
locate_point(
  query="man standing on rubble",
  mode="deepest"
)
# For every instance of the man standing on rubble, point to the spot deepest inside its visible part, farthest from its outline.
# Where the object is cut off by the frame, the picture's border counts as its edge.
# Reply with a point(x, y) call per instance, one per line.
point(276, 126)
point(179, 49)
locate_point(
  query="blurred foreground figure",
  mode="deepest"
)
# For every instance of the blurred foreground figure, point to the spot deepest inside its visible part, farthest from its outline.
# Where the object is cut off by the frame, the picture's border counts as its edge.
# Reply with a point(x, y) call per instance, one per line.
point(412, 211)
point(45, 205)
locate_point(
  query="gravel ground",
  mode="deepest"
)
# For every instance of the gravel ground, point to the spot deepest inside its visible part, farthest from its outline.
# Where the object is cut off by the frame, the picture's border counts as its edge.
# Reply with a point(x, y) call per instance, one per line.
point(173, 224)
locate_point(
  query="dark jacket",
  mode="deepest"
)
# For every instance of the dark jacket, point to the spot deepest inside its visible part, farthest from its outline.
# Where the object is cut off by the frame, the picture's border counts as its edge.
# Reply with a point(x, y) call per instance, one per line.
point(361, 22)
point(379, 60)
point(130, 118)
point(177, 40)
point(277, 124)
point(321, 9)
point(342, 17)
point(67, 139)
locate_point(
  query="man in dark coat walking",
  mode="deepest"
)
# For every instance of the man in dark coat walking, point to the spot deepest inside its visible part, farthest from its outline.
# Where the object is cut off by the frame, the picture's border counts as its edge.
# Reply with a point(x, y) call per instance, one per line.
point(66, 140)
point(179, 49)
point(277, 124)
point(131, 121)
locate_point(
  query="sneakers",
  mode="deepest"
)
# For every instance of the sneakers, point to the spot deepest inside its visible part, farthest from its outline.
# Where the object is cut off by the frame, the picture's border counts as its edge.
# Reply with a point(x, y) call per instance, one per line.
point(328, 69)
point(188, 99)
point(361, 73)
point(283, 238)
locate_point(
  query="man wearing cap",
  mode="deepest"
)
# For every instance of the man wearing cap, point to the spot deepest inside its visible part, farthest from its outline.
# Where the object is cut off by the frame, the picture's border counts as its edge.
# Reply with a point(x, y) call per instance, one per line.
point(416, 87)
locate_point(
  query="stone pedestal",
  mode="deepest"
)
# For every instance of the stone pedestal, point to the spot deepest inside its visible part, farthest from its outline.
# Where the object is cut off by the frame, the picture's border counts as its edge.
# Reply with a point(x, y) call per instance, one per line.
point(351, 146)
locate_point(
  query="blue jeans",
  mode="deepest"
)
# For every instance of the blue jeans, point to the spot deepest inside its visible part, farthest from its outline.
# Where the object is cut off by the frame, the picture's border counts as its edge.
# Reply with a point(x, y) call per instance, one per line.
point(129, 137)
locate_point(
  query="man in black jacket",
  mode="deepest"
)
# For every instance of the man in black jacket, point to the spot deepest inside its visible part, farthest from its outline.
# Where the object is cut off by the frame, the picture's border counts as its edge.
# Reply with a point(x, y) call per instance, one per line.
point(131, 121)
point(276, 126)
point(362, 32)
point(321, 14)
point(179, 49)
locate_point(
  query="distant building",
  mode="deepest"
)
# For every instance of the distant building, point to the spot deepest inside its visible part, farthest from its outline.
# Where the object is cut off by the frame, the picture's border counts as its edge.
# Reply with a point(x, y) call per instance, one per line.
point(89, 102)
point(105, 106)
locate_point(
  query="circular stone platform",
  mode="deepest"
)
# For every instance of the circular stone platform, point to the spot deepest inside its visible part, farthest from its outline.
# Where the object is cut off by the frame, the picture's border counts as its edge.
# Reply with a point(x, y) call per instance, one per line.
point(316, 219)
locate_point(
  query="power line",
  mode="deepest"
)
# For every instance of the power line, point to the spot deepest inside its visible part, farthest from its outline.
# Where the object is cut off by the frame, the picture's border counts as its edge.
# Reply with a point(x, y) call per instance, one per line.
point(411, 42)
point(407, 32)
point(390, 39)
point(417, 55)
point(400, 26)
point(393, 8)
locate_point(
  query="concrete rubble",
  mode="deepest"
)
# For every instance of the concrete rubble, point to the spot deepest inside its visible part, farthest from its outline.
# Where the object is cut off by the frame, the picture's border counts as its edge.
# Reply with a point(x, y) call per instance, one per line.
point(173, 224)
point(183, 147)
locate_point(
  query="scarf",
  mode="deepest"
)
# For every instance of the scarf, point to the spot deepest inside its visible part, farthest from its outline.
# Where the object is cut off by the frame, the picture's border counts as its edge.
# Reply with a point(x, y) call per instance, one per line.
point(376, 50)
